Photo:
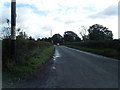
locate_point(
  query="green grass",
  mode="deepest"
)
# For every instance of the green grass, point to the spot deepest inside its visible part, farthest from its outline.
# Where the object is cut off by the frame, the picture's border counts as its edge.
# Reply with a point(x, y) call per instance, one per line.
point(30, 67)
point(105, 51)
point(32, 64)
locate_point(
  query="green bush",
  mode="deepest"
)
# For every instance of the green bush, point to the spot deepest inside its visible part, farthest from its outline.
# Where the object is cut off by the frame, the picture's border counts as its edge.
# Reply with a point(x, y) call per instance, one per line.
point(110, 48)
point(25, 49)
point(97, 44)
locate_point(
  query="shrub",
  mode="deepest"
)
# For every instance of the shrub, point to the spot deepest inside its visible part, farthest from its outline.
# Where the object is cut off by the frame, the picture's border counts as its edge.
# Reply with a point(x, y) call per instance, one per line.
point(25, 49)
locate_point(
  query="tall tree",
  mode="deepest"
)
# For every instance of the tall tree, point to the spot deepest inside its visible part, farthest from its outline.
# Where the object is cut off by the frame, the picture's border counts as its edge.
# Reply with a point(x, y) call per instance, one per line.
point(6, 30)
point(99, 32)
point(57, 38)
point(70, 36)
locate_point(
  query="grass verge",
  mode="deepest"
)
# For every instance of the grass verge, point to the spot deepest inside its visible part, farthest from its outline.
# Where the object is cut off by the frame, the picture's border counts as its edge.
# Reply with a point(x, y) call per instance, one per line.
point(105, 51)
point(28, 68)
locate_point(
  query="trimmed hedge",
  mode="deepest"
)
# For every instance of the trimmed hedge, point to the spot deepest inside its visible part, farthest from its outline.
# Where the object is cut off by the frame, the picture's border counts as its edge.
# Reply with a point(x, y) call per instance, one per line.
point(110, 48)
point(114, 44)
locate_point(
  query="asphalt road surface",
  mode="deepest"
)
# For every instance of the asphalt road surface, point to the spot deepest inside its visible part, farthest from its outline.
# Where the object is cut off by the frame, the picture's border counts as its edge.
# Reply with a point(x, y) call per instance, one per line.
point(71, 68)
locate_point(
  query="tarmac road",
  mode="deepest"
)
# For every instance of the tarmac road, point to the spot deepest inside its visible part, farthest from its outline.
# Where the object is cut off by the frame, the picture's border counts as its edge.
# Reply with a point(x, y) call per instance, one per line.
point(71, 68)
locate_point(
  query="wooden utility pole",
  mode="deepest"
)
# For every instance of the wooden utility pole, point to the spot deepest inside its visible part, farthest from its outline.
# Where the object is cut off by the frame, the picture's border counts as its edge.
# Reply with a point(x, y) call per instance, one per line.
point(13, 27)
point(51, 32)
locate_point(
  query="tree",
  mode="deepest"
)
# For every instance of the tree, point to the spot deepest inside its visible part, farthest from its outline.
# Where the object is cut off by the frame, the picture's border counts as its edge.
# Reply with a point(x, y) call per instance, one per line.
point(18, 30)
point(70, 36)
point(6, 30)
point(99, 32)
point(22, 35)
point(30, 38)
point(57, 38)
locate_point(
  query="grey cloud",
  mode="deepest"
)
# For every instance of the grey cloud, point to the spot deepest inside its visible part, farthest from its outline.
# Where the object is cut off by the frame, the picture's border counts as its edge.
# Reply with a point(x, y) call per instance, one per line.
point(112, 10)
point(109, 11)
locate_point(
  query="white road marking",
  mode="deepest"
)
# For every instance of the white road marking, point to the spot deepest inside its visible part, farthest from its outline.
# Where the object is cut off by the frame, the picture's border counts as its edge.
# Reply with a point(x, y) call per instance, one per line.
point(53, 67)
point(57, 54)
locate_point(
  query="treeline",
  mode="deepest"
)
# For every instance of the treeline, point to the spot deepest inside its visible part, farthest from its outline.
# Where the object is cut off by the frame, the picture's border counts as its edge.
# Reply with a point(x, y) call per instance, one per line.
point(99, 39)
point(95, 32)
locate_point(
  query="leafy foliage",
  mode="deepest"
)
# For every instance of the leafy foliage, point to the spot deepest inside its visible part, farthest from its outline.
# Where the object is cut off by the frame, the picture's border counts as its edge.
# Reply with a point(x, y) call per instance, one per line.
point(49, 39)
point(98, 44)
point(99, 32)
point(109, 48)
point(70, 36)
point(57, 38)
point(6, 30)
point(25, 49)
point(104, 51)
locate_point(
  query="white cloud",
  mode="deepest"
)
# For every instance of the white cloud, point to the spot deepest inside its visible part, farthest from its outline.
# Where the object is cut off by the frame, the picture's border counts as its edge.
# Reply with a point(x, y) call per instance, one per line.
point(61, 15)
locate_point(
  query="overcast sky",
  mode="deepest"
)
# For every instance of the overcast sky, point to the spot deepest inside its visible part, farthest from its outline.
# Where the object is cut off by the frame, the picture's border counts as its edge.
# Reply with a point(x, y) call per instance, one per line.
point(38, 17)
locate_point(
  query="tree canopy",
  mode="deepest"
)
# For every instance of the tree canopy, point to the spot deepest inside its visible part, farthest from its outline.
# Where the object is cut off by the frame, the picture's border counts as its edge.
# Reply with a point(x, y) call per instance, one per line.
point(99, 32)
point(71, 36)
point(57, 38)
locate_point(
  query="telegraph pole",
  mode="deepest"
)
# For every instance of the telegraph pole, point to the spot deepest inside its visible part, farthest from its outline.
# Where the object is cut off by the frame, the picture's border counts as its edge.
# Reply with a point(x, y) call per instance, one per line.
point(13, 27)
point(51, 37)
point(51, 32)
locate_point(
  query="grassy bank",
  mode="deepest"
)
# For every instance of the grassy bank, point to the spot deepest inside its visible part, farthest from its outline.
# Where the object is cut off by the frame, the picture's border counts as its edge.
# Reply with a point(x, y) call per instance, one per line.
point(31, 55)
point(108, 52)
point(31, 66)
